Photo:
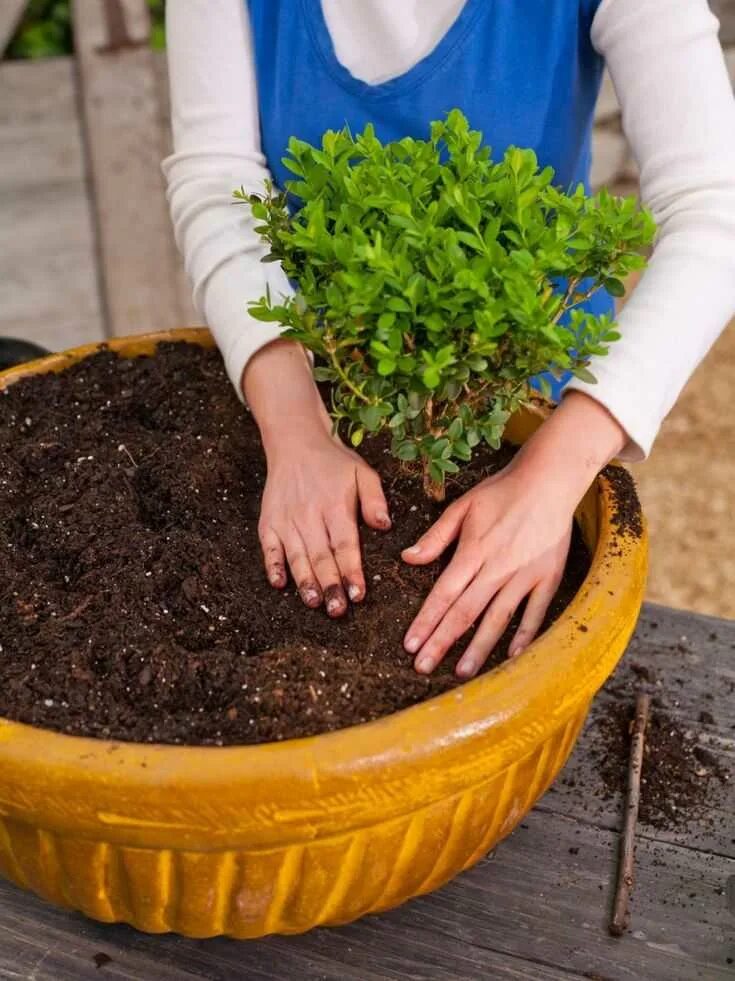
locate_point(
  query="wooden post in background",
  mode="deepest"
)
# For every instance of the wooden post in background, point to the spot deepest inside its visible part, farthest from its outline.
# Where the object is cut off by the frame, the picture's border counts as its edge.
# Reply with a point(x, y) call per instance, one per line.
point(140, 269)
point(11, 12)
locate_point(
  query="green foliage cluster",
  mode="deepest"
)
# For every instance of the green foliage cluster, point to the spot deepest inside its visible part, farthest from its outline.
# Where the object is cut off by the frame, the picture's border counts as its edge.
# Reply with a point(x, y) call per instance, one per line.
point(433, 281)
point(45, 30)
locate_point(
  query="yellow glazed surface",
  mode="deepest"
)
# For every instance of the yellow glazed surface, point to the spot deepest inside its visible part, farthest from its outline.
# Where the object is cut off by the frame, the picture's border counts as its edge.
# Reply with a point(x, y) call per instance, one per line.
point(282, 837)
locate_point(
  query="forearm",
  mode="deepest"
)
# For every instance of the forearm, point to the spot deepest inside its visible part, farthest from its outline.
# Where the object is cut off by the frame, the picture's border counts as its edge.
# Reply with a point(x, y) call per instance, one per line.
point(567, 452)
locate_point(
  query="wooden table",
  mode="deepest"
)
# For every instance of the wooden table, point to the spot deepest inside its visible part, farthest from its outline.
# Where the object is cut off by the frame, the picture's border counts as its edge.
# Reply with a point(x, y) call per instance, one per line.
point(536, 909)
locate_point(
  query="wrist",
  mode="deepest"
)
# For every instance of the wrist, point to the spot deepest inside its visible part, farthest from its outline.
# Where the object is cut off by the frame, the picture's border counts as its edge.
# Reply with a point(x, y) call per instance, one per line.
point(279, 388)
point(570, 448)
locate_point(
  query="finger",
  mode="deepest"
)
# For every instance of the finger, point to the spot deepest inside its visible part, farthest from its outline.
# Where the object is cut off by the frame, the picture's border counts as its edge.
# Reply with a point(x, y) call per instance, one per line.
point(433, 542)
point(273, 556)
point(533, 615)
point(324, 565)
point(495, 621)
point(373, 504)
point(301, 570)
point(345, 543)
point(448, 587)
point(457, 620)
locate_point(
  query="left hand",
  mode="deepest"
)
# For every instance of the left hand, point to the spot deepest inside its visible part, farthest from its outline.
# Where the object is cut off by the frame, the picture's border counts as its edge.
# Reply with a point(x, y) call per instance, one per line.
point(513, 543)
point(513, 532)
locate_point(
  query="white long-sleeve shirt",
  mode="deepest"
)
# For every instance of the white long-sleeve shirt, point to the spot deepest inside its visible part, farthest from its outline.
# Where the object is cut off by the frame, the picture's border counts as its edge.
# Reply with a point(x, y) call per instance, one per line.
point(678, 114)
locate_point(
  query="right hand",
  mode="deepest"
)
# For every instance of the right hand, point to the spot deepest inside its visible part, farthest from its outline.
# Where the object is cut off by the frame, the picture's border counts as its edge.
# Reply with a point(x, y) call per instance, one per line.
point(308, 518)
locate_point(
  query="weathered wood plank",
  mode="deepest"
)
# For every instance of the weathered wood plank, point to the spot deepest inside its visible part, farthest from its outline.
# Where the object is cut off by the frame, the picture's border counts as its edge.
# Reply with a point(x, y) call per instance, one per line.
point(48, 286)
point(693, 658)
point(120, 99)
point(11, 12)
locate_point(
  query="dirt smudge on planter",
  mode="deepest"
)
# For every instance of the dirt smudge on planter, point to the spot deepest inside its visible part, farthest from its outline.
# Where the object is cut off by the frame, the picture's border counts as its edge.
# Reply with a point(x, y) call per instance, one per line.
point(626, 507)
point(133, 602)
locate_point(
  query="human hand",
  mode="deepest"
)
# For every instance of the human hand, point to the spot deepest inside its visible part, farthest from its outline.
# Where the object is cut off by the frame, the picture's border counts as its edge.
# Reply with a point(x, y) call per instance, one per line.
point(511, 544)
point(512, 532)
point(308, 518)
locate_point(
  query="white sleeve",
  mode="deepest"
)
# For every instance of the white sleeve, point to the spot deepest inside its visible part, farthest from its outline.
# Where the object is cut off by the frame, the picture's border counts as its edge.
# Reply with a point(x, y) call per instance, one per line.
point(679, 118)
point(216, 133)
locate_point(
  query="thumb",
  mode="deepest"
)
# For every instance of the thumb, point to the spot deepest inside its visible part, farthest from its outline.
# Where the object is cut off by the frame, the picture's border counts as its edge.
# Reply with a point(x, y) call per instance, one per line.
point(433, 542)
point(373, 504)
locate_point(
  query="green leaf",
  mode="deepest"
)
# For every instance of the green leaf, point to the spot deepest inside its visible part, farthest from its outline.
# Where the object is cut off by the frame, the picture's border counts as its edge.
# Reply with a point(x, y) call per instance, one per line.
point(398, 304)
point(615, 287)
point(357, 437)
point(371, 417)
point(455, 429)
point(585, 375)
point(431, 377)
point(436, 473)
point(323, 374)
point(407, 451)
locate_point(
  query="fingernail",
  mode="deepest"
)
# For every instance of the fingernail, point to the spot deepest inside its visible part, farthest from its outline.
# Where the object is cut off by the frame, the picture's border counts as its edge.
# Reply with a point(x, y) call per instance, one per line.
point(466, 668)
point(412, 644)
point(413, 550)
point(353, 591)
point(383, 518)
point(334, 605)
point(276, 579)
point(515, 651)
point(425, 665)
point(310, 596)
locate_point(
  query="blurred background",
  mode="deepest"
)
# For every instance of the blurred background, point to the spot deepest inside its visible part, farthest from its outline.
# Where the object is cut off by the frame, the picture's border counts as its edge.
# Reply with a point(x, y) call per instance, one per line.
point(86, 250)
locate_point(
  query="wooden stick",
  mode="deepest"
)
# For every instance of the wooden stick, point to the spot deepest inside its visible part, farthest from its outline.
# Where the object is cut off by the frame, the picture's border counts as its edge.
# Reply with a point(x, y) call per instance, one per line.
point(627, 842)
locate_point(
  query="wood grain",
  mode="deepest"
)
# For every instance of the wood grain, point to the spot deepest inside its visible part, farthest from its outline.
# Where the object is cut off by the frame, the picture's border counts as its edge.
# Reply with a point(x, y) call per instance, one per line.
point(140, 267)
point(48, 284)
point(11, 12)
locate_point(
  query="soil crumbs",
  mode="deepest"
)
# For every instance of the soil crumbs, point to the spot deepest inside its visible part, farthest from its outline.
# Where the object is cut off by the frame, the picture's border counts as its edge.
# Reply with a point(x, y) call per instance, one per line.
point(133, 601)
point(681, 776)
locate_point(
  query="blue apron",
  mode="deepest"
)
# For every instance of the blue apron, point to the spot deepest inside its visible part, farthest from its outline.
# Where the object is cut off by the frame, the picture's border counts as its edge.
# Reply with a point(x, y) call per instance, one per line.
point(524, 72)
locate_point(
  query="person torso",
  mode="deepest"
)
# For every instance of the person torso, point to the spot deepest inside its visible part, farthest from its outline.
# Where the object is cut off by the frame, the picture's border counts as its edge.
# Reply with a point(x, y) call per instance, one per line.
point(524, 73)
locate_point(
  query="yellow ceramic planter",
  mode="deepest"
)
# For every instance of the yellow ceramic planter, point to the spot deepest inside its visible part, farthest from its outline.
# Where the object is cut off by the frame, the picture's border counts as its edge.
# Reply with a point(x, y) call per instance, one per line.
point(286, 836)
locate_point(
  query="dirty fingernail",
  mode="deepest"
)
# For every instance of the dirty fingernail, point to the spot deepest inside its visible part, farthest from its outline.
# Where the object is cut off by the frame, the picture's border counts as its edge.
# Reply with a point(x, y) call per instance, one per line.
point(383, 518)
point(353, 591)
point(425, 665)
point(310, 596)
point(412, 644)
point(333, 605)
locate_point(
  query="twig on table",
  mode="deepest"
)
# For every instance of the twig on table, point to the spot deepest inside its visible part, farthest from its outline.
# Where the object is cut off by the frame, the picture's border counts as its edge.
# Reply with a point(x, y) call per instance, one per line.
point(627, 843)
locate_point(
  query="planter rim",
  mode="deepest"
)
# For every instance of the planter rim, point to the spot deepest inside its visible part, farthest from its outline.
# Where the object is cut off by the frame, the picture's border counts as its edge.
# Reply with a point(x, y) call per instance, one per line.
point(273, 791)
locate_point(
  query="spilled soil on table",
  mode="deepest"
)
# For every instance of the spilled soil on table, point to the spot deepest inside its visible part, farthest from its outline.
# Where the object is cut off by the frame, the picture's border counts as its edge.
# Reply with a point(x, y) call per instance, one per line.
point(682, 777)
point(133, 602)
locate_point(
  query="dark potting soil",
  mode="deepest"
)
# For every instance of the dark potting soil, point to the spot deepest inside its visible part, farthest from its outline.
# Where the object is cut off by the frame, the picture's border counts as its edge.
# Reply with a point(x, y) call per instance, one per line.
point(133, 602)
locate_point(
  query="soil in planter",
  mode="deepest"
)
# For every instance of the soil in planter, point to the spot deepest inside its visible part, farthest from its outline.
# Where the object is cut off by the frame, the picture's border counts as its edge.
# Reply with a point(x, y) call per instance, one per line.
point(133, 603)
